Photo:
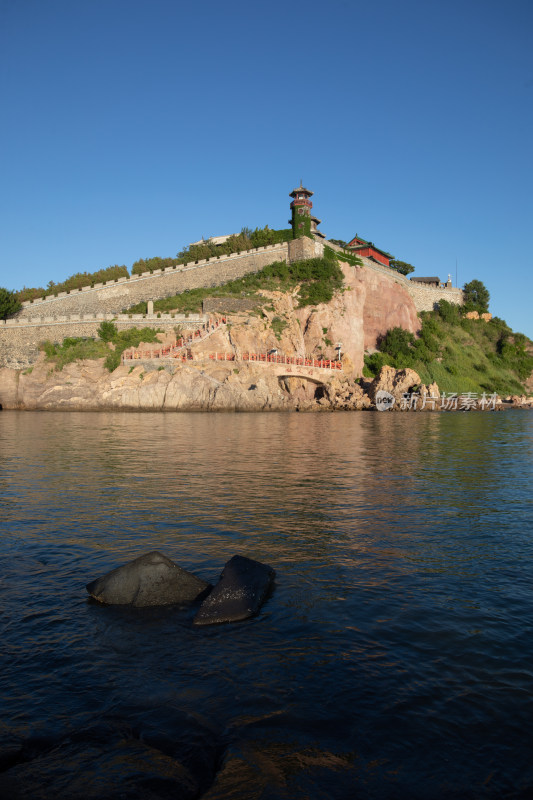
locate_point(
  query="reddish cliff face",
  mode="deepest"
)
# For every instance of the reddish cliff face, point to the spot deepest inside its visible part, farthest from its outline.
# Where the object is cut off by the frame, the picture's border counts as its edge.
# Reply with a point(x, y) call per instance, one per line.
point(386, 305)
point(370, 304)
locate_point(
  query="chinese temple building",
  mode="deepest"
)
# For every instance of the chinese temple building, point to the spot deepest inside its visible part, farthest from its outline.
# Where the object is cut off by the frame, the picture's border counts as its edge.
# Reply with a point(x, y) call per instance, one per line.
point(361, 247)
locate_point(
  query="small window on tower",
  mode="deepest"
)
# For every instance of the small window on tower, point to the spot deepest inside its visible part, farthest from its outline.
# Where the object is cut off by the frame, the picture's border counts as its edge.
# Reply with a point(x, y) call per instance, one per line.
point(300, 211)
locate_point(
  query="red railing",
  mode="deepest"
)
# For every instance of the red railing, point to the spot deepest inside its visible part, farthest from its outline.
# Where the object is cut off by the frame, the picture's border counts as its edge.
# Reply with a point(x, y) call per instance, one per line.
point(179, 351)
point(175, 349)
point(298, 361)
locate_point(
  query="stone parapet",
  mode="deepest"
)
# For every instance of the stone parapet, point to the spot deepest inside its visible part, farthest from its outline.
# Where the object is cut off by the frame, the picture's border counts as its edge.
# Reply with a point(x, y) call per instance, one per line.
point(114, 297)
point(19, 344)
point(426, 298)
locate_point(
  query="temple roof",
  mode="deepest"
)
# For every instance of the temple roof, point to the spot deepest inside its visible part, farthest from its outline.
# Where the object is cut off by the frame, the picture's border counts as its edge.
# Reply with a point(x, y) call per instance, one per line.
point(300, 189)
point(365, 243)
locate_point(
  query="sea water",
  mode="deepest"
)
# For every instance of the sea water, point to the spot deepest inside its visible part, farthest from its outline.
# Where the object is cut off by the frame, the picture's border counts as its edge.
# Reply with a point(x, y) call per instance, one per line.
point(393, 659)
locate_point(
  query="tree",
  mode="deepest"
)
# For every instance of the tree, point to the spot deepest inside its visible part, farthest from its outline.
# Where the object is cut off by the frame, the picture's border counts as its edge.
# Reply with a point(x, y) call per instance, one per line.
point(401, 266)
point(9, 303)
point(476, 297)
point(396, 342)
point(107, 331)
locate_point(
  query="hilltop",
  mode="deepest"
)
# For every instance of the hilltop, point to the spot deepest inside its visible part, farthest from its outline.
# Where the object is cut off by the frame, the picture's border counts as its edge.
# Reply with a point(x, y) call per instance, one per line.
point(310, 306)
point(287, 292)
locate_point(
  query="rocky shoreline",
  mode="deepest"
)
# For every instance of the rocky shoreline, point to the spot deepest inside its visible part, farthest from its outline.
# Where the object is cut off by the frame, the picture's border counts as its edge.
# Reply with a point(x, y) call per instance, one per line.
point(351, 322)
point(236, 386)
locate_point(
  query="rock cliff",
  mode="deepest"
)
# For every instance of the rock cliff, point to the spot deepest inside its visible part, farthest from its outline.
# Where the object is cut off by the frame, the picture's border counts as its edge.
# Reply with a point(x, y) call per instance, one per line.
point(368, 306)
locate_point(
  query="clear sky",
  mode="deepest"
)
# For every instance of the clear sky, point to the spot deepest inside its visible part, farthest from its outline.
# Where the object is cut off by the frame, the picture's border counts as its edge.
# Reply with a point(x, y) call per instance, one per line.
point(133, 127)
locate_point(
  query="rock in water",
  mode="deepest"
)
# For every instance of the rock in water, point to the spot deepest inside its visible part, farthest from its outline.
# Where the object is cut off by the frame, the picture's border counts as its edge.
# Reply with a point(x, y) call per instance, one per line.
point(150, 580)
point(239, 594)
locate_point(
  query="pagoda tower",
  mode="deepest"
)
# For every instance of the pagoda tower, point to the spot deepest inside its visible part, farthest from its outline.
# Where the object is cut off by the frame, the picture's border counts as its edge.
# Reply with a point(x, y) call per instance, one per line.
point(301, 212)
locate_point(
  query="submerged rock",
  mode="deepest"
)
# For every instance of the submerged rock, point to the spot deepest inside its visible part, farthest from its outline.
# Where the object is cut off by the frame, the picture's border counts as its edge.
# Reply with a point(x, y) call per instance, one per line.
point(103, 762)
point(239, 594)
point(150, 580)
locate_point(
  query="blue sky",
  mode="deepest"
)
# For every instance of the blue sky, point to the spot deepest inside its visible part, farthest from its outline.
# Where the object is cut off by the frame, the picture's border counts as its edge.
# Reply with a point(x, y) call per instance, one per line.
point(130, 129)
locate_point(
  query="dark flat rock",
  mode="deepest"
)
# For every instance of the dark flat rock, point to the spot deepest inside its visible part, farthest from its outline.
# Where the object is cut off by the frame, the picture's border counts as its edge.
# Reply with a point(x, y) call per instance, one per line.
point(239, 593)
point(150, 580)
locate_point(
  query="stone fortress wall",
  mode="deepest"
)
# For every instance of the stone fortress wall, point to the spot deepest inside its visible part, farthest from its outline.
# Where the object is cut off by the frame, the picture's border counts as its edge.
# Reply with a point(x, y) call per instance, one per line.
point(19, 341)
point(115, 296)
point(80, 313)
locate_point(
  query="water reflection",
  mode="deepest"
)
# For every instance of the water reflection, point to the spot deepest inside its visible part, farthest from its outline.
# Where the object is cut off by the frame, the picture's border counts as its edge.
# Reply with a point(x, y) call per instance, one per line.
point(398, 629)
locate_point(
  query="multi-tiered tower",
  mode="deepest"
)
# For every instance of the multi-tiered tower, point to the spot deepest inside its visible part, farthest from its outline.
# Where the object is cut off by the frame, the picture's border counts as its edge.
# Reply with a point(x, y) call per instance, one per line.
point(302, 221)
point(301, 212)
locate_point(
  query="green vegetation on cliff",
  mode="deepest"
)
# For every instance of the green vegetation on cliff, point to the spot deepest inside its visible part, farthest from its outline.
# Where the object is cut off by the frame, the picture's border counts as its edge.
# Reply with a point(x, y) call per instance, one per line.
point(9, 303)
point(78, 348)
point(75, 282)
point(459, 354)
point(237, 243)
point(401, 266)
point(318, 278)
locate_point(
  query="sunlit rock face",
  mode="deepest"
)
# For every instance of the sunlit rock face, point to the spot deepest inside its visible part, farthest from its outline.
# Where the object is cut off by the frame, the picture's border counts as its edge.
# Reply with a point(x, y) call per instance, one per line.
point(395, 382)
point(352, 322)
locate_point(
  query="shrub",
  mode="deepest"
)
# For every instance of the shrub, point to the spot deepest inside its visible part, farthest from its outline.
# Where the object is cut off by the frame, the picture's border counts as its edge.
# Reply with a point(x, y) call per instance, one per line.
point(374, 363)
point(449, 312)
point(401, 266)
point(107, 331)
point(9, 303)
point(76, 281)
point(278, 325)
point(112, 360)
point(396, 342)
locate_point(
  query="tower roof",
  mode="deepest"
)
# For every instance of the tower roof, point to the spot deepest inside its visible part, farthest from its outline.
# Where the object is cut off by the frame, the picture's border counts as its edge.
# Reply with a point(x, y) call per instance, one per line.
point(299, 190)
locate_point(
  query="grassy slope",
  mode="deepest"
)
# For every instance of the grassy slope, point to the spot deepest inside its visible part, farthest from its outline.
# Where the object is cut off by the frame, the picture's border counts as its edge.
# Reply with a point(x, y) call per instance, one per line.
point(318, 278)
point(466, 356)
point(469, 364)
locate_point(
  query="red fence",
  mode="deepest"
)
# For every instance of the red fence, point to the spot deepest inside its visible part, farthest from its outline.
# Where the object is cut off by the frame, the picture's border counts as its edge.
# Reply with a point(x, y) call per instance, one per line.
point(174, 350)
point(260, 358)
point(179, 351)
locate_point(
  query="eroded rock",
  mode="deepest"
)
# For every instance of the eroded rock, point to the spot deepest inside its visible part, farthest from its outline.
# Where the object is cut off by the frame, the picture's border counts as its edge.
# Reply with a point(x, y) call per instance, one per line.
point(394, 381)
point(239, 594)
point(150, 580)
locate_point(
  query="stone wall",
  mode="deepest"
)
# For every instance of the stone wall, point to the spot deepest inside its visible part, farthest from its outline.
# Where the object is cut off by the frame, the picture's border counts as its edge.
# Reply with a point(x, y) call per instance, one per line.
point(19, 340)
point(304, 247)
point(116, 296)
point(80, 313)
point(427, 297)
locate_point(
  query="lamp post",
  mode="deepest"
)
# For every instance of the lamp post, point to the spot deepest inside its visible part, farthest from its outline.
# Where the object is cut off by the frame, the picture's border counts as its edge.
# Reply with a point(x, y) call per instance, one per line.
point(338, 349)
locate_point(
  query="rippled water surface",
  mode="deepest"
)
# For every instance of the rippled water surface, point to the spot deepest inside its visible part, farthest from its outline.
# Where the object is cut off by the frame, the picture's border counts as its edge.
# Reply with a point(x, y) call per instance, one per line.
point(394, 658)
